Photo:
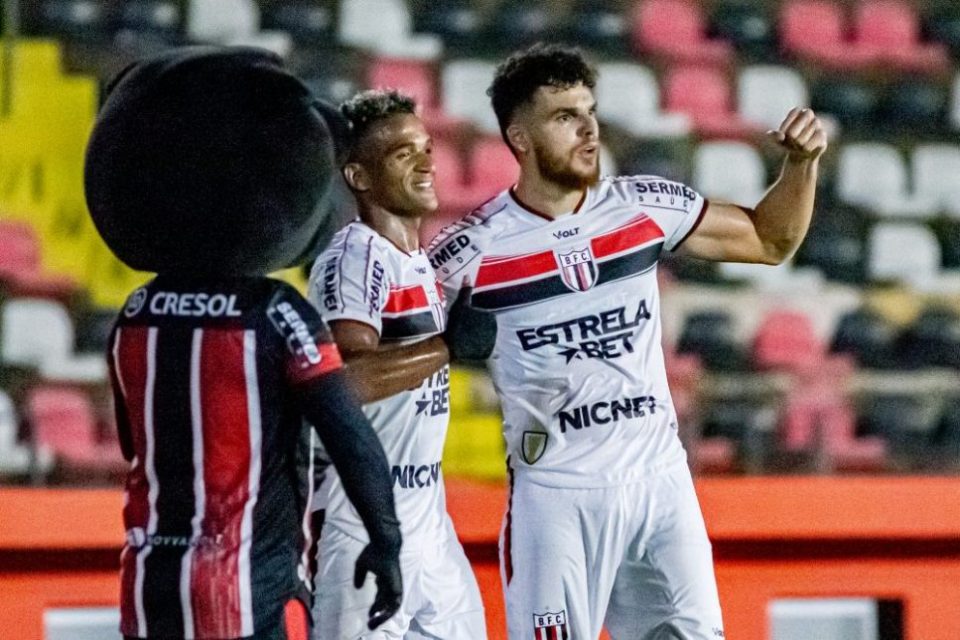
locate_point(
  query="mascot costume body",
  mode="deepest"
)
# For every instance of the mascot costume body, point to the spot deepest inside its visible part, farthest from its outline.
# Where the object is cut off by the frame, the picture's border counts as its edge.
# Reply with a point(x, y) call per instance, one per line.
point(209, 167)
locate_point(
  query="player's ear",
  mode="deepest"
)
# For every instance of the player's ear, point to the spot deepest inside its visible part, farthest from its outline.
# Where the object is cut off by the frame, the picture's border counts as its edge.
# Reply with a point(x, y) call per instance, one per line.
point(518, 138)
point(356, 176)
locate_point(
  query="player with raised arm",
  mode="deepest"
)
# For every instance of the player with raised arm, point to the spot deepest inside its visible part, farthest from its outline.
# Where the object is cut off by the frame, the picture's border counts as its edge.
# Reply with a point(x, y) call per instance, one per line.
point(603, 525)
point(375, 287)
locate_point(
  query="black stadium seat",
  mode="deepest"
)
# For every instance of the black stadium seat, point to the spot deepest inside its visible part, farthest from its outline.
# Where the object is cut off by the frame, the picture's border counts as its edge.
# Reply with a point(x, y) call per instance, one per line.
point(748, 25)
point(710, 335)
point(933, 340)
point(868, 337)
point(307, 22)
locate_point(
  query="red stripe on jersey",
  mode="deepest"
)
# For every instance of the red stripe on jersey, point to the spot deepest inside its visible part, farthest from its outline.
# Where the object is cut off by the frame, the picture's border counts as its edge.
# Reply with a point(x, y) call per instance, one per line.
point(131, 370)
point(502, 269)
point(215, 579)
point(330, 360)
point(633, 234)
point(552, 633)
point(406, 299)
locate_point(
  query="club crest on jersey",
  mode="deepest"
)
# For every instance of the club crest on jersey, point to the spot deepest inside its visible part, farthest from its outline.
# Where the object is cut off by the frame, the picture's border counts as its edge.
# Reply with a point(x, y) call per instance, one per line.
point(533, 445)
point(577, 269)
point(550, 626)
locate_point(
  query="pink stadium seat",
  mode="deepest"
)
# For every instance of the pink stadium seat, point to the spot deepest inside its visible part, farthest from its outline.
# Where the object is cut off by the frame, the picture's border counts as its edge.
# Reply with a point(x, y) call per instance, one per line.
point(450, 179)
point(786, 340)
point(676, 30)
point(492, 169)
point(416, 78)
point(820, 420)
point(816, 31)
point(890, 29)
point(705, 95)
point(20, 264)
point(64, 423)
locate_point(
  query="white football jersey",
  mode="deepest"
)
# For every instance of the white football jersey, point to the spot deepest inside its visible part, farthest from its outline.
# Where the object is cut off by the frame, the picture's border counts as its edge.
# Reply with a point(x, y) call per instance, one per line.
point(364, 277)
point(577, 364)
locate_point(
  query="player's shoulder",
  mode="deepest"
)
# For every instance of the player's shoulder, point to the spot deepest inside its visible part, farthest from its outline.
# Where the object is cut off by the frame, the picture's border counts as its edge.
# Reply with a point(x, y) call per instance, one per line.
point(355, 236)
point(483, 222)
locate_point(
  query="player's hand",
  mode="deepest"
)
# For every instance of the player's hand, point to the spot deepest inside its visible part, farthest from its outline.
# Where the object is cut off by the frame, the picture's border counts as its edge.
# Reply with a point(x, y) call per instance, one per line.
point(385, 565)
point(471, 333)
point(802, 134)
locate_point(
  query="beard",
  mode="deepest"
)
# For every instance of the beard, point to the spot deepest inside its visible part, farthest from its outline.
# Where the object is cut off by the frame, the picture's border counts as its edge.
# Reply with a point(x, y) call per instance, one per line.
point(559, 170)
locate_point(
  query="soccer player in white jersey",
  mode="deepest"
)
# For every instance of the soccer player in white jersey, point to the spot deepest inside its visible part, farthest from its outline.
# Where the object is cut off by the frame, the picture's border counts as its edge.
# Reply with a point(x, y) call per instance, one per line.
point(603, 525)
point(376, 289)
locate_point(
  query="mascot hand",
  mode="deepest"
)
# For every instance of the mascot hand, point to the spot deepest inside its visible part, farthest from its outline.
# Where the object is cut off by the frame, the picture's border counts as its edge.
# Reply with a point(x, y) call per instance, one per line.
point(471, 333)
point(384, 563)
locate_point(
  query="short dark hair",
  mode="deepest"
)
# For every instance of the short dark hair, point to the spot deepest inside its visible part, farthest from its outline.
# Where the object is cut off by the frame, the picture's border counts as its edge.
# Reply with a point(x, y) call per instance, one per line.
point(541, 65)
point(367, 108)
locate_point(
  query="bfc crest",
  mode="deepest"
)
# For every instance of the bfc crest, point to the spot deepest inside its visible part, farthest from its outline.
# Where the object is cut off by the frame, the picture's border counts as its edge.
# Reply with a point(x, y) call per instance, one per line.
point(577, 269)
point(550, 626)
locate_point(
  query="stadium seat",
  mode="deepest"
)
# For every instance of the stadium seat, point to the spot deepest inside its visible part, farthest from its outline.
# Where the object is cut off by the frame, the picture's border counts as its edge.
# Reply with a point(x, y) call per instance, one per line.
point(918, 266)
point(820, 421)
point(450, 179)
point(943, 25)
point(935, 171)
point(816, 31)
point(459, 23)
point(161, 18)
point(520, 24)
point(749, 26)
point(730, 171)
point(676, 30)
point(710, 336)
point(464, 84)
point(63, 422)
point(600, 25)
point(20, 264)
point(385, 27)
point(15, 458)
point(913, 105)
point(705, 95)
point(786, 341)
point(874, 175)
point(889, 31)
point(221, 20)
point(948, 234)
point(765, 93)
point(630, 99)
point(854, 103)
point(906, 421)
point(492, 168)
point(946, 440)
point(748, 423)
point(75, 19)
point(308, 22)
point(932, 340)
point(868, 337)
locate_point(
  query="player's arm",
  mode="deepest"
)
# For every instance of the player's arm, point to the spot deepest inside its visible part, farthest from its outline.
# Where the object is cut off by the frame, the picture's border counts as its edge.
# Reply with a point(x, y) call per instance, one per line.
point(124, 435)
point(379, 371)
point(772, 231)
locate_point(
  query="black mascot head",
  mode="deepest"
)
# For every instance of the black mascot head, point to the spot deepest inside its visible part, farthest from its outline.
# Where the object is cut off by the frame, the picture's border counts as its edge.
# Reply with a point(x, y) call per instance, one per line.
point(211, 161)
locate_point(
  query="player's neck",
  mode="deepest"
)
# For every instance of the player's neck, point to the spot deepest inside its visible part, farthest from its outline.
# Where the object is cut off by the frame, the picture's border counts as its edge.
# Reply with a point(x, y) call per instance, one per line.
point(546, 198)
point(402, 231)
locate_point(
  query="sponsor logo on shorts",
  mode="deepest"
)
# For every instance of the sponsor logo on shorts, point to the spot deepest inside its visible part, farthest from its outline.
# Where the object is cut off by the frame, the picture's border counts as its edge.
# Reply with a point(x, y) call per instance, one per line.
point(533, 445)
point(550, 625)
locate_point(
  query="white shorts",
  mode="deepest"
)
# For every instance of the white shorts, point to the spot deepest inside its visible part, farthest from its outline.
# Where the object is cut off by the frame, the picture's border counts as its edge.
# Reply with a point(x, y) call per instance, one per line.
point(441, 600)
point(635, 558)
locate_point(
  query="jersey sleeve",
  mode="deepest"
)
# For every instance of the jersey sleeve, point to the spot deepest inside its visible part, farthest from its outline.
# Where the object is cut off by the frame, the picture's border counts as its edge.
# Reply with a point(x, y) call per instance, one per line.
point(349, 281)
point(676, 208)
point(455, 255)
point(307, 346)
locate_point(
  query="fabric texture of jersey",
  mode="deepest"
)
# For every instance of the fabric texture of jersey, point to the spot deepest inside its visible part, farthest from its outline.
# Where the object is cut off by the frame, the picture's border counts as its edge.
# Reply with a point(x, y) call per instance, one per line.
point(577, 365)
point(364, 277)
point(204, 373)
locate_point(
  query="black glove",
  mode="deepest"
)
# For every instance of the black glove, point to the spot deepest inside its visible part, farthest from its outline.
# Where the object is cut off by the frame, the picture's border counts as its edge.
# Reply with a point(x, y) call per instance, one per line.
point(471, 333)
point(385, 564)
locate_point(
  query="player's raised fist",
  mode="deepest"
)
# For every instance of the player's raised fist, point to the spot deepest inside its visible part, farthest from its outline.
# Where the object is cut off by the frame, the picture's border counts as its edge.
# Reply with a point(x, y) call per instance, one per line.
point(802, 134)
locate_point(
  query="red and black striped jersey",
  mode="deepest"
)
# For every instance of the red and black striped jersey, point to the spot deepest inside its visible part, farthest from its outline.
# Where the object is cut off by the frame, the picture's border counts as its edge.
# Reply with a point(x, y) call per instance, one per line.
point(204, 372)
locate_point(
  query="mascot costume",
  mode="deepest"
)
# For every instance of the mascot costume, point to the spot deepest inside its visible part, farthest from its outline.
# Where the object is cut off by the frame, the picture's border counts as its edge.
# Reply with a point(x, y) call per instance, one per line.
point(210, 167)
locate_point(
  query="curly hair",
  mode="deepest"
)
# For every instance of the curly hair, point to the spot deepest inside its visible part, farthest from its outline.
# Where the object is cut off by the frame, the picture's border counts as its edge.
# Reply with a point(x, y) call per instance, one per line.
point(367, 108)
point(518, 77)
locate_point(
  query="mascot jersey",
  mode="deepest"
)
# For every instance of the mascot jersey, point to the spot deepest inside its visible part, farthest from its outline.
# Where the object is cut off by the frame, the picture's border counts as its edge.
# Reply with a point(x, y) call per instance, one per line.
point(364, 277)
point(214, 502)
point(577, 362)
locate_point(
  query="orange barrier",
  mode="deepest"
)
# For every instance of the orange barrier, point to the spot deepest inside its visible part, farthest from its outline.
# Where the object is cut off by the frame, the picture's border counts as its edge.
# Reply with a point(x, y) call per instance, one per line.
point(884, 537)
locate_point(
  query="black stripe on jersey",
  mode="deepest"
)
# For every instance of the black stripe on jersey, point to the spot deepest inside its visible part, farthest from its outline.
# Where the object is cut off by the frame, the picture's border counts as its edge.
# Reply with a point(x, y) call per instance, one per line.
point(410, 326)
point(173, 461)
point(552, 286)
